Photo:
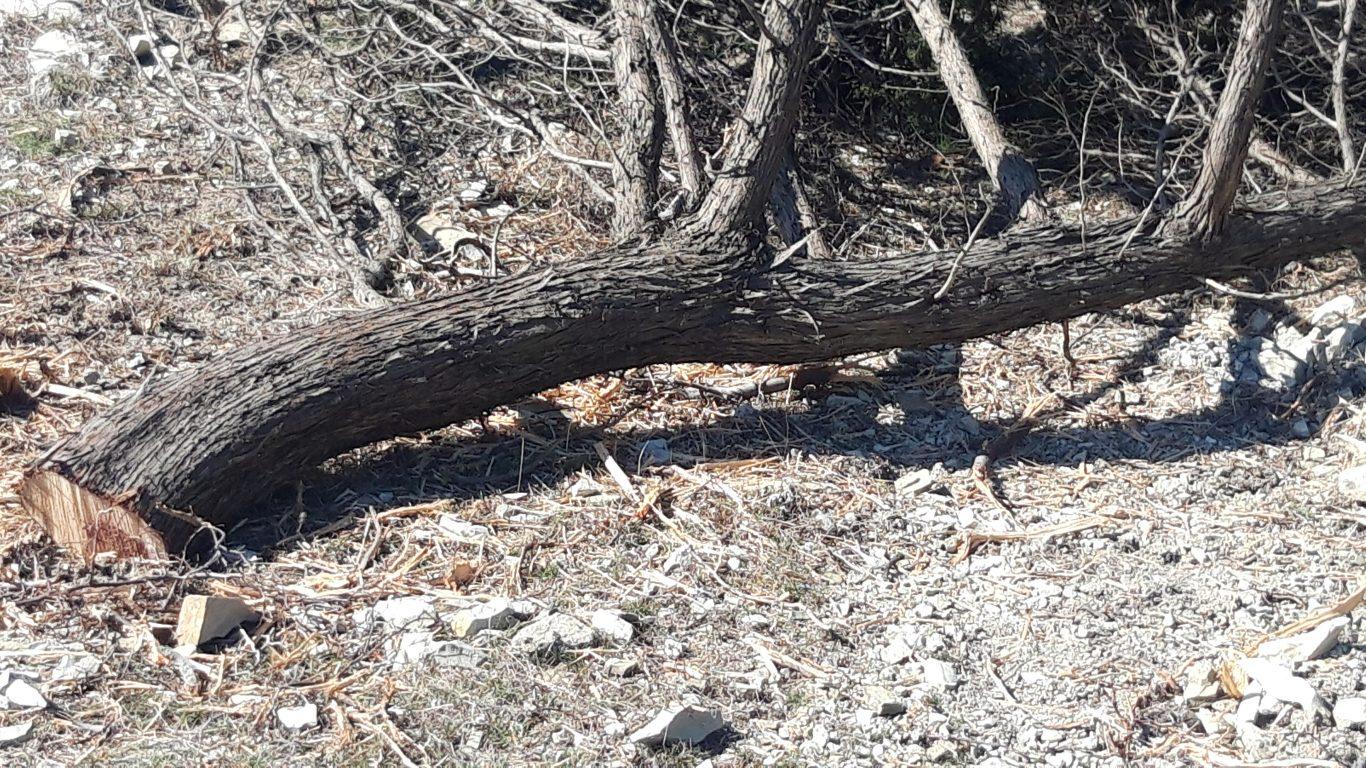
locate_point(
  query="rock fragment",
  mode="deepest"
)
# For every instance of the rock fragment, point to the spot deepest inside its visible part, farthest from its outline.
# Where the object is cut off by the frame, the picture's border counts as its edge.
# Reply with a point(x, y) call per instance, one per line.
point(14, 735)
point(1352, 483)
point(495, 614)
point(1350, 712)
point(938, 674)
point(1202, 683)
point(688, 725)
point(298, 718)
point(54, 47)
point(883, 702)
point(1306, 646)
point(20, 694)
point(549, 636)
point(613, 626)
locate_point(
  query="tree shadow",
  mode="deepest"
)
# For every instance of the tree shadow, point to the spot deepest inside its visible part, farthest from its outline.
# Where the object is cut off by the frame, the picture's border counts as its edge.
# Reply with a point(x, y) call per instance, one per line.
point(934, 428)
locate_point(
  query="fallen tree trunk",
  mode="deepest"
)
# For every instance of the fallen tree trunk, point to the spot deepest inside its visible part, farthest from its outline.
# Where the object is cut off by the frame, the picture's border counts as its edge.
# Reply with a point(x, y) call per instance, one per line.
point(206, 445)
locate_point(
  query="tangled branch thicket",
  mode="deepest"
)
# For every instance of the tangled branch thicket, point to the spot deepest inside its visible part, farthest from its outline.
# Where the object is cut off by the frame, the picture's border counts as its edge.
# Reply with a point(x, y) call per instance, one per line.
point(351, 120)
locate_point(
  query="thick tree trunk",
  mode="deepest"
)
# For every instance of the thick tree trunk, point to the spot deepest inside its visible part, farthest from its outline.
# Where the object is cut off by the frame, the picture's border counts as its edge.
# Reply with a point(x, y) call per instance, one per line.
point(1012, 173)
point(207, 444)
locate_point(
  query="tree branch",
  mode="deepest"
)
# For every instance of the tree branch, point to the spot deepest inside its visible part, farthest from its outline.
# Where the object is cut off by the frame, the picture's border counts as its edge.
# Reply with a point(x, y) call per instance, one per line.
point(759, 136)
point(635, 173)
point(1211, 197)
point(664, 52)
point(1010, 171)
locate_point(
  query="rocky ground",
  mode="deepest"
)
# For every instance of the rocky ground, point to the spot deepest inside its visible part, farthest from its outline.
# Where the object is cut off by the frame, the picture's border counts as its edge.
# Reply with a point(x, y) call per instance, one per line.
point(1162, 567)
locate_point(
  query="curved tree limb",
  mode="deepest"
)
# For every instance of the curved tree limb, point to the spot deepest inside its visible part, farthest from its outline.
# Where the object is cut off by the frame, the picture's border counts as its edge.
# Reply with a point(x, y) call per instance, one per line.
point(759, 135)
point(204, 446)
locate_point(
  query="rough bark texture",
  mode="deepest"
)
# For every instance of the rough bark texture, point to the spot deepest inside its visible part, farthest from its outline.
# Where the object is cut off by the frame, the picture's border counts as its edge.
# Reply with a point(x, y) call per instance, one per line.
point(1010, 171)
point(664, 52)
point(1340, 112)
point(635, 172)
point(1211, 197)
point(213, 440)
point(759, 137)
point(793, 213)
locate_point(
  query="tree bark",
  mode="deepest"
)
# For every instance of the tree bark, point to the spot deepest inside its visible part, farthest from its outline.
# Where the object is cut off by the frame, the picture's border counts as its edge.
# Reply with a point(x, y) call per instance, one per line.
point(1211, 197)
point(204, 446)
point(760, 135)
point(1340, 112)
point(635, 172)
point(1011, 173)
point(793, 213)
point(664, 52)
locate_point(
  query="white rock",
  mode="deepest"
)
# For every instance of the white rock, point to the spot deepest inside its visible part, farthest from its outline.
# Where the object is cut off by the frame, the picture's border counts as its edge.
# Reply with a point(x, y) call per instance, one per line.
point(585, 487)
point(1306, 646)
point(461, 529)
point(613, 626)
point(1350, 712)
point(939, 674)
point(474, 190)
point(1202, 683)
point(551, 635)
point(1334, 312)
point(883, 702)
point(678, 725)
point(75, 667)
point(416, 647)
point(623, 667)
point(1280, 683)
point(442, 230)
point(14, 735)
point(52, 10)
point(230, 32)
point(65, 139)
point(405, 612)
point(141, 45)
point(170, 54)
point(1339, 342)
point(298, 718)
point(54, 47)
point(19, 694)
point(1352, 483)
point(914, 483)
point(497, 613)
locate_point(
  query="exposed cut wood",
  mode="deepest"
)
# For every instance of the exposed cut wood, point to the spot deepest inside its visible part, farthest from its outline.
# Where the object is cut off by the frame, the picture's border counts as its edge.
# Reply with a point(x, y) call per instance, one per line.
point(86, 524)
point(208, 617)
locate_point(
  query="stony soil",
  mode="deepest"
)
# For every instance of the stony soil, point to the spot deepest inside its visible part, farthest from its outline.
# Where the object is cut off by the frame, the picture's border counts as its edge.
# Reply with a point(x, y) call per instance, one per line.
point(822, 570)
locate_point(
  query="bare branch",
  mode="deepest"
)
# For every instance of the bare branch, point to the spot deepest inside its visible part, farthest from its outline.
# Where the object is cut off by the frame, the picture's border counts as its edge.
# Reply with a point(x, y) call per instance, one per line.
point(1349, 155)
point(759, 135)
point(1211, 197)
point(635, 174)
point(664, 52)
point(1012, 174)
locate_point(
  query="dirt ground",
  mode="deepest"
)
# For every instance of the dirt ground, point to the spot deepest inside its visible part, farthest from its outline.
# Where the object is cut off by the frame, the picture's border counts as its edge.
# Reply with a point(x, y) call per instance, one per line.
point(824, 569)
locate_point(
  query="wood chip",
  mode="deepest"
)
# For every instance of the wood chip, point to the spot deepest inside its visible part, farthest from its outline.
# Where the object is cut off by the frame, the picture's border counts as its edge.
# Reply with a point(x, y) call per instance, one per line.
point(204, 617)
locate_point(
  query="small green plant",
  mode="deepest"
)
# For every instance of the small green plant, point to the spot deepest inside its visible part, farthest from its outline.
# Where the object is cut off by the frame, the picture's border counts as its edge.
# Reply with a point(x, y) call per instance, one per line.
point(34, 143)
